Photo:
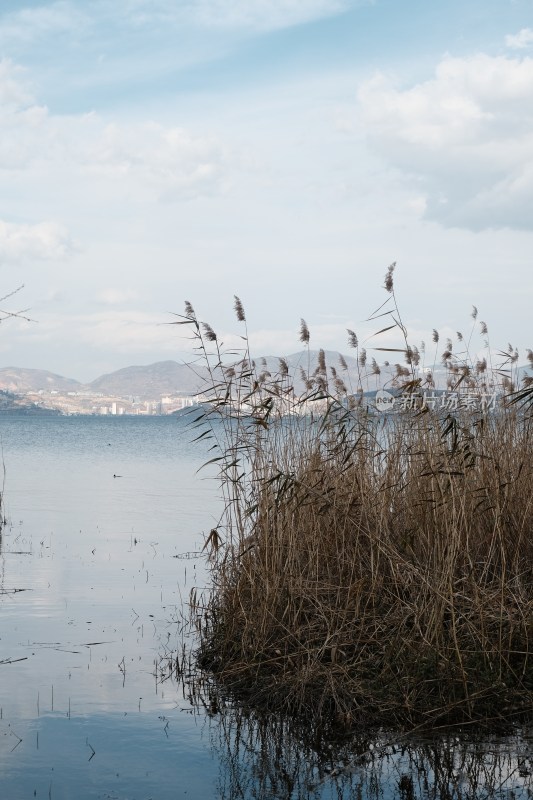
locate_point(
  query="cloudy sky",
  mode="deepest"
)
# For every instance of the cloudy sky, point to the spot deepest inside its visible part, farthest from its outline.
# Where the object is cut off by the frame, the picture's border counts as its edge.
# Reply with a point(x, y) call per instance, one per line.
point(156, 151)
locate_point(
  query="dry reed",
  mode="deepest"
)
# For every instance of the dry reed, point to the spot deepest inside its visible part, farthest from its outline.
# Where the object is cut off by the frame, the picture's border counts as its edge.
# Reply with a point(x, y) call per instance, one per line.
point(369, 568)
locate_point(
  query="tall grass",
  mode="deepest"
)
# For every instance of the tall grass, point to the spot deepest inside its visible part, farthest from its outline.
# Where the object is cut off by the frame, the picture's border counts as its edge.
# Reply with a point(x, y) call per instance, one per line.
point(369, 568)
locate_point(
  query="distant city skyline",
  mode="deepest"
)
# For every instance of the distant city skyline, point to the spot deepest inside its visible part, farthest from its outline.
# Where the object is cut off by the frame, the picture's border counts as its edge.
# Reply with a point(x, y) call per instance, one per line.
point(287, 151)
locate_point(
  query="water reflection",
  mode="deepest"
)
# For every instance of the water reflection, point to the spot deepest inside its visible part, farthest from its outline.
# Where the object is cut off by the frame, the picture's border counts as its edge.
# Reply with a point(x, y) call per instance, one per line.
point(91, 579)
point(270, 758)
point(94, 573)
point(127, 756)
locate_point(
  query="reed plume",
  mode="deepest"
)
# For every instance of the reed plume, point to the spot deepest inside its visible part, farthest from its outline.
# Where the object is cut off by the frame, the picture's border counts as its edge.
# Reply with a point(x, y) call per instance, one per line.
point(373, 568)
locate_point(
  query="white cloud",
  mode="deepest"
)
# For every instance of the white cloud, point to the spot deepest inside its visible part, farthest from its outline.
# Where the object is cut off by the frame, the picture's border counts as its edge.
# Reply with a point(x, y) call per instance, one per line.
point(28, 25)
point(45, 240)
point(254, 15)
point(114, 297)
point(522, 39)
point(124, 331)
point(13, 92)
point(172, 161)
point(465, 137)
point(264, 14)
point(22, 121)
point(115, 331)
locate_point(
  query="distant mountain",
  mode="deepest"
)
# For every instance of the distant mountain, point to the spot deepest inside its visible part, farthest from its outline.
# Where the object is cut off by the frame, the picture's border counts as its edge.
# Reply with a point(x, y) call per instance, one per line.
point(151, 381)
point(19, 381)
point(146, 382)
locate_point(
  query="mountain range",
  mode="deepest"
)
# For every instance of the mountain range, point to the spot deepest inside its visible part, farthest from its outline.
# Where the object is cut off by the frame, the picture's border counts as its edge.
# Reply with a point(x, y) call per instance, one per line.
point(145, 382)
point(152, 381)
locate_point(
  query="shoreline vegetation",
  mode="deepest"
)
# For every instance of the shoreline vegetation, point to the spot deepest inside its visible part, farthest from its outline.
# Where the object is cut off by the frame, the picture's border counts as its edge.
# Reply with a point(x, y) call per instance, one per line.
point(370, 568)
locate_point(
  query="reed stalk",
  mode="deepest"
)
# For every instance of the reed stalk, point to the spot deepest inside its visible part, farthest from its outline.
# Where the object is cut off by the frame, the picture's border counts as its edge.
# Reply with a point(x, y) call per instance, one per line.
point(369, 568)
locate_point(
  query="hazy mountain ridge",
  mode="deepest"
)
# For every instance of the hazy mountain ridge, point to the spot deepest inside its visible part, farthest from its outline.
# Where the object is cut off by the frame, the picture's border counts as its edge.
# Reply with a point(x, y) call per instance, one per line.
point(20, 380)
point(149, 381)
point(152, 381)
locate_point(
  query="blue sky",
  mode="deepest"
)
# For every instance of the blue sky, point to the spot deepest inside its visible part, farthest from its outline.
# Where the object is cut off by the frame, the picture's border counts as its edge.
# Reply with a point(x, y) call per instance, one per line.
point(283, 150)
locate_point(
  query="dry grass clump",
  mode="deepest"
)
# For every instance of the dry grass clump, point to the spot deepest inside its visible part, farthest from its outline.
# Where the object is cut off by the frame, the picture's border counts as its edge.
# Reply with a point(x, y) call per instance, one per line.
point(369, 568)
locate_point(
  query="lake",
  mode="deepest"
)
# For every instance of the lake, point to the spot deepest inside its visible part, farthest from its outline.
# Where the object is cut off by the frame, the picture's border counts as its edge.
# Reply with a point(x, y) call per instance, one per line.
point(105, 520)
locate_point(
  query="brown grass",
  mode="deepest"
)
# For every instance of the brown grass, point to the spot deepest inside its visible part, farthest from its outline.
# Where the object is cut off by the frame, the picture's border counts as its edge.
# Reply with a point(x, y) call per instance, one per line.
point(369, 568)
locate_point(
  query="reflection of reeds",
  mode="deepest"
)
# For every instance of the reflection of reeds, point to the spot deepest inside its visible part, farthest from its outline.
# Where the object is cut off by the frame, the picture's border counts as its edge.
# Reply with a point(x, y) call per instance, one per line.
point(272, 758)
point(368, 569)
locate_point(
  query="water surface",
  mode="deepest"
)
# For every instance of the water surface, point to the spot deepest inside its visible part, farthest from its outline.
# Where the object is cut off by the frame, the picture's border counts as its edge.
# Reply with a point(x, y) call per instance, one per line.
point(105, 520)
point(93, 579)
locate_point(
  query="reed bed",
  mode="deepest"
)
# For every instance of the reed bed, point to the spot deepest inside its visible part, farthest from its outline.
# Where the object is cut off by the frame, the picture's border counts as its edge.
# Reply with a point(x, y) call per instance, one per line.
point(369, 568)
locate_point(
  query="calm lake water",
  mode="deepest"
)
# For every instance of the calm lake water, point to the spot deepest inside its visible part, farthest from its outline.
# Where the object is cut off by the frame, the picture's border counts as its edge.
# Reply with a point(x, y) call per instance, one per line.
point(104, 518)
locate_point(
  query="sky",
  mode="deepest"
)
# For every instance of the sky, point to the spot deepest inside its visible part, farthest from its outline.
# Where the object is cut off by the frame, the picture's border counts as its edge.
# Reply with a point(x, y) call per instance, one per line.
point(285, 151)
